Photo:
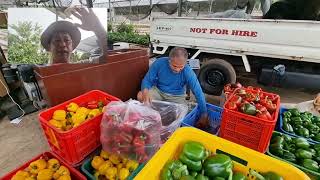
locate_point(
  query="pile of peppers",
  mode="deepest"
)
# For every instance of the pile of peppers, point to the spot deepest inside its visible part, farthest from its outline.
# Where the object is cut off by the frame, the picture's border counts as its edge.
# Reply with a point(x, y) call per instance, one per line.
point(253, 101)
point(197, 163)
point(301, 123)
point(296, 150)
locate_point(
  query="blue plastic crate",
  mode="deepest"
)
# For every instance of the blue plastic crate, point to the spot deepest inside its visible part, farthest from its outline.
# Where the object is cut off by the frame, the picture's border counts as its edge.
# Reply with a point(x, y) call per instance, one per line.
point(214, 114)
point(282, 110)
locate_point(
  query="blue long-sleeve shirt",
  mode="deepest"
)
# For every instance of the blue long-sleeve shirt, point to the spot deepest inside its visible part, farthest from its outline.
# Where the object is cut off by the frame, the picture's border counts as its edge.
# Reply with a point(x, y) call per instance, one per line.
point(161, 76)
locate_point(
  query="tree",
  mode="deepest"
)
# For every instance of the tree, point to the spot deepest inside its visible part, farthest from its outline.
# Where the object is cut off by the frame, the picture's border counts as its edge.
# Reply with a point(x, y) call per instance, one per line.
point(24, 44)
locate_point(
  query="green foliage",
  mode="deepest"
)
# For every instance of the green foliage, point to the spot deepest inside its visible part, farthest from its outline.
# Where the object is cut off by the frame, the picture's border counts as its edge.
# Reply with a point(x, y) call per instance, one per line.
point(128, 37)
point(110, 27)
point(24, 44)
point(125, 28)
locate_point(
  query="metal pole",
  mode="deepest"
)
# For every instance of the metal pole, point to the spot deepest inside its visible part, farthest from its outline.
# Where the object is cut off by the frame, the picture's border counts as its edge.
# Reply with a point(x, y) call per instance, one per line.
point(89, 4)
point(179, 8)
point(109, 10)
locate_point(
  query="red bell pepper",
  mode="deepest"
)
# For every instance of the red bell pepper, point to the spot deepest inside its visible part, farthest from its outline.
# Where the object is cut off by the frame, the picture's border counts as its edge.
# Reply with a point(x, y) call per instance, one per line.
point(232, 106)
point(227, 88)
point(260, 108)
point(268, 104)
point(236, 99)
point(264, 115)
point(242, 92)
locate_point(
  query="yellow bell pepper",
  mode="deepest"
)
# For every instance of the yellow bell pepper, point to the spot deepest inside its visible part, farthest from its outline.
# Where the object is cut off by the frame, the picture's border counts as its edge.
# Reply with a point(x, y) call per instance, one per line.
point(69, 115)
point(59, 115)
point(124, 160)
point(98, 175)
point(115, 159)
point(78, 118)
point(93, 113)
point(20, 175)
point(37, 166)
point(72, 107)
point(30, 178)
point(45, 174)
point(104, 166)
point(53, 164)
point(105, 155)
point(123, 173)
point(65, 177)
point(120, 166)
point(83, 110)
point(96, 162)
point(111, 173)
point(56, 123)
point(132, 165)
point(60, 172)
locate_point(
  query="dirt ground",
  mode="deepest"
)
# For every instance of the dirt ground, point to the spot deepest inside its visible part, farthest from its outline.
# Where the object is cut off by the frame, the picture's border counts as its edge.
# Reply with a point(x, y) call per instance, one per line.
point(23, 141)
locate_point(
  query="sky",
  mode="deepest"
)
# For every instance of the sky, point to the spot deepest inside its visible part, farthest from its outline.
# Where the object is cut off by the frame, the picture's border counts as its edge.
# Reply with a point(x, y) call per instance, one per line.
point(44, 18)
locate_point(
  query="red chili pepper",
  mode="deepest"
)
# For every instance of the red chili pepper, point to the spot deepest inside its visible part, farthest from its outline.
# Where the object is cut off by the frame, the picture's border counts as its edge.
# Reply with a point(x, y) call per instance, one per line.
point(92, 104)
point(125, 138)
point(264, 115)
point(236, 99)
point(138, 141)
point(232, 106)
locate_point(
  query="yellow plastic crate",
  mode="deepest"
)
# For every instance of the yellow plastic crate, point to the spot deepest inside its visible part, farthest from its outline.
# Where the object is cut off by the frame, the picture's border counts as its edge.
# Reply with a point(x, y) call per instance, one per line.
point(243, 158)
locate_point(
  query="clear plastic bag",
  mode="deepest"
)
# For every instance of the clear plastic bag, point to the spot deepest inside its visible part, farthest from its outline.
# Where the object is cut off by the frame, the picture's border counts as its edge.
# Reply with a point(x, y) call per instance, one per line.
point(171, 114)
point(131, 129)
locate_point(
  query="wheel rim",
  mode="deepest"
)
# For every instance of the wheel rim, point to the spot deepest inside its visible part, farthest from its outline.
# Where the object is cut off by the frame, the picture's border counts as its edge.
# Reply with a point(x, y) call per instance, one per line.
point(215, 77)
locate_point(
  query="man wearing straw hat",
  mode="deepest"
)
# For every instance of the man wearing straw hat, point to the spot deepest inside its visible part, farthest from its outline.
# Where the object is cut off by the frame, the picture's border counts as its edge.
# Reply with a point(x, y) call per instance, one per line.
point(62, 37)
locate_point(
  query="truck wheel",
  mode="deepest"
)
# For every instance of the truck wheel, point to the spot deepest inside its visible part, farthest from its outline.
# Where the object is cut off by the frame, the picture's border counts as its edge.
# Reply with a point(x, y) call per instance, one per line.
point(214, 74)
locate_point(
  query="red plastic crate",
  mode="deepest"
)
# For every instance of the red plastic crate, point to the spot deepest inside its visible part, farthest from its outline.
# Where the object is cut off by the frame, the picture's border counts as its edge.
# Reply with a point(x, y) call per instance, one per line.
point(247, 130)
point(74, 145)
point(75, 175)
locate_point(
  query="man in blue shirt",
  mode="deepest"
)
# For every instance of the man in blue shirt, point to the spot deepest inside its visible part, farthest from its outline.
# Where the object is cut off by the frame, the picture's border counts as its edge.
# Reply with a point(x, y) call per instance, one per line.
point(167, 78)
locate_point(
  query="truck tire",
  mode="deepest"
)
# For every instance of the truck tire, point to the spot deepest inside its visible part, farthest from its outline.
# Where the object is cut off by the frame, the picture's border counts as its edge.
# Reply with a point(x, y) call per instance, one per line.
point(214, 74)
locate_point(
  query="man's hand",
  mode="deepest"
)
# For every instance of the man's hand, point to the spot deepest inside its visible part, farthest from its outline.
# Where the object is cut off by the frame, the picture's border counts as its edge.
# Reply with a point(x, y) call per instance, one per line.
point(203, 122)
point(144, 96)
point(90, 21)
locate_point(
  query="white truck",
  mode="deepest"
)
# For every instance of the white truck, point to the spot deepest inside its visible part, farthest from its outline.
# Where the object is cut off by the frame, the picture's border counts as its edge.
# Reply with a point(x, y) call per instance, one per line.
point(223, 45)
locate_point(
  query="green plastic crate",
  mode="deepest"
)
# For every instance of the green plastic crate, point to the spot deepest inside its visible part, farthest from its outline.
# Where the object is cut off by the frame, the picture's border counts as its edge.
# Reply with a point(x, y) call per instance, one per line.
point(87, 169)
point(316, 175)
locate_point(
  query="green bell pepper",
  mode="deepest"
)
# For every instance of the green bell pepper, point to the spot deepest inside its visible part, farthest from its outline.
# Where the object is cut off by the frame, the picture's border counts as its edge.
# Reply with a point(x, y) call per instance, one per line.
point(201, 177)
point(179, 172)
point(294, 112)
point(301, 143)
point(219, 165)
point(194, 151)
point(192, 165)
point(316, 147)
point(287, 127)
point(287, 114)
point(218, 178)
point(193, 174)
point(168, 170)
point(303, 154)
point(314, 129)
point(187, 178)
point(286, 120)
point(265, 176)
point(239, 176)
point(248, 108)
point(303, 132)
point(315, 119)
point(287, 155)
point(316, 137)
point(296, 121)
point(310, 164)
point(276, 146)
